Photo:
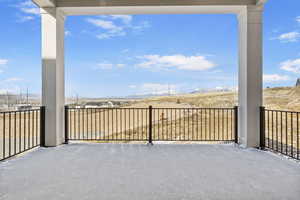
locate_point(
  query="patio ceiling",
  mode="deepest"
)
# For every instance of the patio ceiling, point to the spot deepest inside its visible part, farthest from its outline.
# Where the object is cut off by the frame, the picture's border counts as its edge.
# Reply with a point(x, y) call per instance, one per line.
point(111, 3)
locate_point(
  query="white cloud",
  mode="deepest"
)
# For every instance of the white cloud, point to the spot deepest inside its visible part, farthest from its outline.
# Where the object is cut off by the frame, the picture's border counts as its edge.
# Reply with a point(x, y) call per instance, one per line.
point(10, 85)
point(13, 89)
point(116, 25)
point(109, 35)
point(120, 65)
point(298, 19)
point(7, 90)
point(29, 11)
point(67, 33)
point(108, 25)
point(126, 19)
point(33, 11)
point(13, 79)
point(132, 86)
point(104, 66)
point(142, 26)
point(291, 65)
point(155, 88)
point(288, 37)
point(269, 78)
point(111, 29)
point(194, 63)
point(125, 51)
point(25, 18)
point(107, 66)
point(3, 61)
point(29, 8)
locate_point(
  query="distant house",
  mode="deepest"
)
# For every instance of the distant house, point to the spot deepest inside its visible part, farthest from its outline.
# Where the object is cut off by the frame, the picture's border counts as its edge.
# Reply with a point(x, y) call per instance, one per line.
point(23, 107)
point(105, 104)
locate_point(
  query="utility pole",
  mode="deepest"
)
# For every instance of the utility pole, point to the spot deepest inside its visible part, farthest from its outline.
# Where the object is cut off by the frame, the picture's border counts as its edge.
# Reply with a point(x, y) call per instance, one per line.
point(7, 99)
point(27, 95)
point(77, 99)
point(20, 97)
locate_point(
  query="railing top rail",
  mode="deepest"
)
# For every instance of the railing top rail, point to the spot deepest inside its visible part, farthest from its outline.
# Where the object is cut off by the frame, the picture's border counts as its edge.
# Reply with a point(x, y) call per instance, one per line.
point(18, 111)
point(286, 111)
point(198, 108)
point(74, 108)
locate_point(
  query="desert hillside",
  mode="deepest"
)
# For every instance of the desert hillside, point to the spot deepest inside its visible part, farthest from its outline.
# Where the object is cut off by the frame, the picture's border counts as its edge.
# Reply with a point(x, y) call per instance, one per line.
point(284, 98)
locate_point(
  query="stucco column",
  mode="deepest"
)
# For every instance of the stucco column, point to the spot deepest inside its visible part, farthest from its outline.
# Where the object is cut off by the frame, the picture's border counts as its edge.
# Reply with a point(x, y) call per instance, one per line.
point(53, 92)
point(250, 74)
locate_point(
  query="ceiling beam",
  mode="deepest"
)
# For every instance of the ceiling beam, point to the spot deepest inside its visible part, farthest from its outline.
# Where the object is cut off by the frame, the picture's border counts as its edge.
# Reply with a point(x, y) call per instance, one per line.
point(45, 3)
point(135, 10)
point(261, 2)
point(120, 3)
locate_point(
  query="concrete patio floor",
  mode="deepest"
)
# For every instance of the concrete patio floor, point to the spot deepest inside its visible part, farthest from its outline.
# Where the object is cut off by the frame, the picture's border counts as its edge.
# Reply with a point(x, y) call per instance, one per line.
point(138, 171)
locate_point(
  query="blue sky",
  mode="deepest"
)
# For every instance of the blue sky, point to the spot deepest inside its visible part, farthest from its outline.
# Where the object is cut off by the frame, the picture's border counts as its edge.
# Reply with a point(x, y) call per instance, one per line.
point(139, 54)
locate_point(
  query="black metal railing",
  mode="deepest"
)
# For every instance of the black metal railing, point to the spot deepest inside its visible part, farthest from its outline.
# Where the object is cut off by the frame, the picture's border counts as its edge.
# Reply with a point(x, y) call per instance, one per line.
point(151, 124)
point(21, 131)
point(280, 131)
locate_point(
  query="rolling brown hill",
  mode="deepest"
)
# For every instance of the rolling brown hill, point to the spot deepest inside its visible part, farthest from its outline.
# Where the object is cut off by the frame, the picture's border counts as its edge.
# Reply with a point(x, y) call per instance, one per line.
point(283, 98)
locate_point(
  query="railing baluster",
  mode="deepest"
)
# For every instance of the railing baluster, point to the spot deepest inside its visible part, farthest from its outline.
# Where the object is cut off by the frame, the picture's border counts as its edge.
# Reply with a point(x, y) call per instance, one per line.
point(67, 124)
point(298, 136)
point(276, 130)
point(42, 126)
point(32, 127)
point(150, 124)
point(262, 128)
point(159, 126)
point(227, 125)
point(15, 133)
point(9, 133)
point(286, 133)
point(292, 136)
point(281, 129)
point(236, 136)
point(214, 126)
point(36, 127)
point(269, 129)
point(4, 135)
point(20, 136)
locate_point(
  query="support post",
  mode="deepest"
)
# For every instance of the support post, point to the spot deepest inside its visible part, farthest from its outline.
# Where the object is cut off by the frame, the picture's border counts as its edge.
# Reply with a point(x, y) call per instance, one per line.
point(53, 94)
point(236, 135)
point(250, 75)
point(66, 125)
point(150, 125)
point(42, 126)
point(262, 128)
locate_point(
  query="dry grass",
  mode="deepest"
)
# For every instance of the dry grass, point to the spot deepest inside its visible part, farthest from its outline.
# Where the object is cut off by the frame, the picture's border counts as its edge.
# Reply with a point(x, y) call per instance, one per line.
point(284, 98)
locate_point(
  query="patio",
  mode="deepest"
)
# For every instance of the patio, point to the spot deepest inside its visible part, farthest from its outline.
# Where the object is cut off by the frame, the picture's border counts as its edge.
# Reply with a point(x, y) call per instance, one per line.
point(138, 171)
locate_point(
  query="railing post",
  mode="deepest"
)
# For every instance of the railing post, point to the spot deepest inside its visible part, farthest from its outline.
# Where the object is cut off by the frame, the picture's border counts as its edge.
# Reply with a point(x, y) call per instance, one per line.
point(66, 125)
point(236, 135)
point(150, 125)
point(262, 128)
point(42, 126)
